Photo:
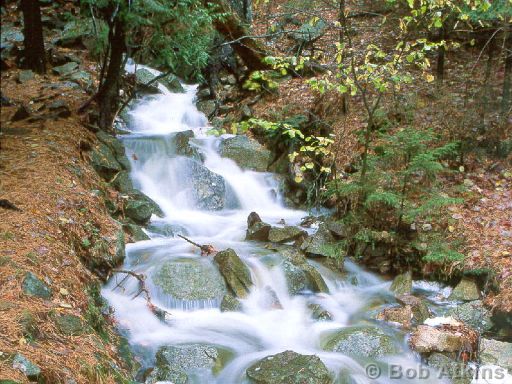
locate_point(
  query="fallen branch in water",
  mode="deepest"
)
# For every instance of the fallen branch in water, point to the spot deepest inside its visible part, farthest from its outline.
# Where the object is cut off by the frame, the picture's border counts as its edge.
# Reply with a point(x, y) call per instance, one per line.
point(206, 249)
point(141, 278)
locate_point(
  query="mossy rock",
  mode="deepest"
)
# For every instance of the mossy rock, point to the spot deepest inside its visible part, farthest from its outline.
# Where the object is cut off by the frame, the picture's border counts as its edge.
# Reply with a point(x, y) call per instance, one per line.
point(70, 325)
point(104, 162)
point(285, 234)
point(246, 152)
point(33, 286)
point(466, 290)
point(402, 284)
point(235, 272)
point(362, 342)
point(289, 367)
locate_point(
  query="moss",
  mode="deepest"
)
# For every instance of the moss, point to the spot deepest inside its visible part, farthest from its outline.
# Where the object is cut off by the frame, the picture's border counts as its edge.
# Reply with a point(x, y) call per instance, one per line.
point(94, 312)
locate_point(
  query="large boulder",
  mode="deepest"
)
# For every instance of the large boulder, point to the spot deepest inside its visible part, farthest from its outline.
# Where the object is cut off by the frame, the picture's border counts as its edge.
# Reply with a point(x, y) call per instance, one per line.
point(451, 338)
point(180, 363)
point(474, 314)
point(140, 208)
point(117, 148)
point(309, 32)
point(206, 189)
point(190, 279)
point(364, 341)
point(402, 284)
point(285, 234)
point(289, 368)
point(32, 286)
point(246, 152)
point(182, 146)
point(320, 244)
point(466, 290)
point(146, 83)
point(235, 272)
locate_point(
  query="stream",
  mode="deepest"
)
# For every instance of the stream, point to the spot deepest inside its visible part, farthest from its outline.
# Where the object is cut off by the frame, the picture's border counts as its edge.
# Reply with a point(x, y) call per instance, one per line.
point(259, 328)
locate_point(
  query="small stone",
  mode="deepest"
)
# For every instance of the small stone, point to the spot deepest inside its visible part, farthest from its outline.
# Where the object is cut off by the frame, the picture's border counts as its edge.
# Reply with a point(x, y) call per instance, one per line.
point(402, 284)
point(30, 370)
point(32, 286)
point(65, 69)
point(25, 76)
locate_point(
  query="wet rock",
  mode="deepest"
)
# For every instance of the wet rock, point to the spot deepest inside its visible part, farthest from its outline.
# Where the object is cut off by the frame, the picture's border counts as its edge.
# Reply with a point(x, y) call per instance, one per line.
point(183, 147)
point(230, 303)
point(289, 368)
point(124, 351)
point(246, 152)
point(22, 113)
point(136, 232)
point(175, 363)
point(28, 368)
point(362, 342)
point(399, 315)
point(235, 272)
point(104, 162)
point(420, 311)
point(70, 325)
point(190, 279)
point(402, 284)
point(496, 352)
point(144, 76)
point(256, 229)
point(208, 107)
point(139, 211)
point(320, 244)
point(452, 338)
point(117, 148)
point(285, 234)
point(32, 286)
point(123, 183)
point(300, 276)
point(474, 314)
point(337, 229)
point(466, 290)
point(207, 189)
point(25, 75)
point(100, 259)
point(449, 368)
point(319, 313)
point(66, 69)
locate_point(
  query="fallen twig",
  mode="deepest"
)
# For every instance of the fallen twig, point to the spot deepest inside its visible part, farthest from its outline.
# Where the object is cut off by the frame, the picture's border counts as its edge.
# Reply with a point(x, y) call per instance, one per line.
point(206, 249)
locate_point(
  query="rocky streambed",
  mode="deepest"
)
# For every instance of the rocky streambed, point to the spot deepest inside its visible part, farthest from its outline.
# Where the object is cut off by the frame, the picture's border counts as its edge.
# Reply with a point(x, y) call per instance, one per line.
point(271, 301)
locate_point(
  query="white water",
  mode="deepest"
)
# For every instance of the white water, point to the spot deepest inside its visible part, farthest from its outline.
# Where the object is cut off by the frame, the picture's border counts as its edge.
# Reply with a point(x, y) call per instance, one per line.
point(260, 329)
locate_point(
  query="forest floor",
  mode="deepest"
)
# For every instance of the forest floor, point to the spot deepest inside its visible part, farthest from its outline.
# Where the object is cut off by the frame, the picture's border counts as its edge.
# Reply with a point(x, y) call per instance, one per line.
point(44, 173)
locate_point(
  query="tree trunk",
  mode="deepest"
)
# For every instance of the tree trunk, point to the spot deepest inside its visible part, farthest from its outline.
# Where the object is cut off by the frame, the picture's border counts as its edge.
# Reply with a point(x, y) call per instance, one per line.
point(506, 101)
point(232, 28)
point(108, 93)
point(441, 57)
point(33, 33)
point(342, 20)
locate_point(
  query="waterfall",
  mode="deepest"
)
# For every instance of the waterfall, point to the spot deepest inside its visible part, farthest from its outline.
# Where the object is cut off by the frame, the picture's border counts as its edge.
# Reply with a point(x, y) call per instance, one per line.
point(259, 329)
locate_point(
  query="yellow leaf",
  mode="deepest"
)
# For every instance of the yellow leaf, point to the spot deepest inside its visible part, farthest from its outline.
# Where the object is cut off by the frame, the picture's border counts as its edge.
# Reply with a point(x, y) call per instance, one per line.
point(451, 228)
point(430, 78)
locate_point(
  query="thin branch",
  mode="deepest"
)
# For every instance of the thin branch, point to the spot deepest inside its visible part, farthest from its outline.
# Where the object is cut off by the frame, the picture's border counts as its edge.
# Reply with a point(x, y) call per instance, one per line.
point(206, 250)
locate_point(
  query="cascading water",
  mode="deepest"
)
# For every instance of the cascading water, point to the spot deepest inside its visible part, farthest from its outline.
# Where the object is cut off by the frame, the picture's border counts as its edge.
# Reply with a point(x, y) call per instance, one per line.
point(259, 329)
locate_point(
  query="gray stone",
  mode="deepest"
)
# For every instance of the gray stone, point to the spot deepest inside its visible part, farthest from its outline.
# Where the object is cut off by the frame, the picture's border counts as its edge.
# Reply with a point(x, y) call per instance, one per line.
point(285, 234)
point(181, 141)
point(190, 279)
point(473, 314)
point(25, 75)
point(66, 69)
point(136, 232)
point(300, 276)
point(246, 152)
point(289, 368)
point(308, 33)
point(450, 368)
point(320, 244)
point(420, 311)
point(117, 148)
point(258, 232)
point(28, 368)
point(466, 290)
point(319, 313)
point(122, 182)
point(139, 211)
point(364, 341)
point(144, 76)
point(206, 189)
point(76, 32)
point(399, 315)
point(175, 363)
point(235, 272)
point(32, 286)
point(496, 352)
point(402, 284)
